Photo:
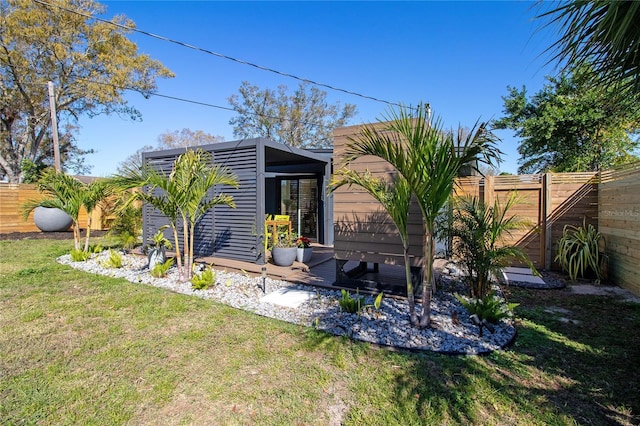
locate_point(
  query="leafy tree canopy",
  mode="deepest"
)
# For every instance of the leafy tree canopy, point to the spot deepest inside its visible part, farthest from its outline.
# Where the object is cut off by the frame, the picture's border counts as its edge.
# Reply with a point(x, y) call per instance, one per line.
point(571, 125)
point(90, 63)
point(168, 140)
point(302, 119)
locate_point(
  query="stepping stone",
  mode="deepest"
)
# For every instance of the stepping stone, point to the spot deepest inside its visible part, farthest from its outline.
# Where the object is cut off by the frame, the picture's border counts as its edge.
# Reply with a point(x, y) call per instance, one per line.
point(289, 297)
point(522, 275)
point(519, 271)
point(522, 278)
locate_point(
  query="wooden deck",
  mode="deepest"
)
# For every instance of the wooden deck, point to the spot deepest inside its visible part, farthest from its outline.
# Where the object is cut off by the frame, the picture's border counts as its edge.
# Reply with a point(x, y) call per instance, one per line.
point(320, 271)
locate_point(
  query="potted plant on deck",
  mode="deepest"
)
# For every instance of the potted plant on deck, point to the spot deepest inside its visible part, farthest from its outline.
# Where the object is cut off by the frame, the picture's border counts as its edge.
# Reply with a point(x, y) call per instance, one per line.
point(285, 250)
point(304, 251)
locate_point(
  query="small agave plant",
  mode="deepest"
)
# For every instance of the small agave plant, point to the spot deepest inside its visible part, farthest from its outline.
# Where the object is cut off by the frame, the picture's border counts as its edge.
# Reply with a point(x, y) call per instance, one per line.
point(157, 254)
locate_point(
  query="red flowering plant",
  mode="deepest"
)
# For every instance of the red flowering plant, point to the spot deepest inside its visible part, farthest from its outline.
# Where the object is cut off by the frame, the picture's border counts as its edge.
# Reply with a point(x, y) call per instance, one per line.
point(303, 242)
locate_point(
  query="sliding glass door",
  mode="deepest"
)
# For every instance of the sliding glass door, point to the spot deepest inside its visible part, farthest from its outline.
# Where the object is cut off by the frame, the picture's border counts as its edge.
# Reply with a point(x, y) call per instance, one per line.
point(299, 200)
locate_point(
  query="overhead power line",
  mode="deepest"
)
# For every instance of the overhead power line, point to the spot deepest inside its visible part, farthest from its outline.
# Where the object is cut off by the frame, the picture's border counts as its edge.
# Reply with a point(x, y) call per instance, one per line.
point(220, 55)
point(171, 97)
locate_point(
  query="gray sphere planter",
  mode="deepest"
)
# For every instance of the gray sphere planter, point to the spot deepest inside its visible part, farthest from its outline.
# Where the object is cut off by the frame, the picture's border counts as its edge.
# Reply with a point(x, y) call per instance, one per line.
point(283, 256)
point(49, 219)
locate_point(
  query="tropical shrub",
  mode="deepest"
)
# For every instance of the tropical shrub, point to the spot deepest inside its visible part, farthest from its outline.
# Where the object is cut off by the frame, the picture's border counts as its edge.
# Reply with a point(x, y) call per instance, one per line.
point(160, 270)
point(478, 233)
point(490, 307)
point(114, 260)
point(183, 195)
point(203, 280)
point(126, 225)
point(579, 251)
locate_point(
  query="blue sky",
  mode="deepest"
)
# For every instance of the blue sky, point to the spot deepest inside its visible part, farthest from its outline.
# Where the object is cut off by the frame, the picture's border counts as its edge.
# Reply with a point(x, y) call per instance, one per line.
point(457, 56)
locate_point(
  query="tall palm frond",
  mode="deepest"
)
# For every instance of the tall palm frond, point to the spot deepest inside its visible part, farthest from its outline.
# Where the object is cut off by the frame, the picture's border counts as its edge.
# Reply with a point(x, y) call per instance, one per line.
point(603, 35)
point(480, 233)
point(395, 198)
point(430, 160)
point(63, 192)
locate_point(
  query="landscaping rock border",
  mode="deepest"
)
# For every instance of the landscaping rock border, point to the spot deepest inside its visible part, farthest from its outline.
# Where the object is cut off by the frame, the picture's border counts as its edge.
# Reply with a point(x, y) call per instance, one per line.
point(451, 332)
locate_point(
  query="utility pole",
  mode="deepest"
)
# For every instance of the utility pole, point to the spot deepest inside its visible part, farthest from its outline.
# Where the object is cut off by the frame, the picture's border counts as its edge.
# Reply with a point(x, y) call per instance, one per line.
point(54, 127)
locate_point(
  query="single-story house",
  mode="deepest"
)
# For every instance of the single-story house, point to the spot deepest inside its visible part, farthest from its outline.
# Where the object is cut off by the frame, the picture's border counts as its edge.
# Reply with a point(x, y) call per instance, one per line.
point(274, 179)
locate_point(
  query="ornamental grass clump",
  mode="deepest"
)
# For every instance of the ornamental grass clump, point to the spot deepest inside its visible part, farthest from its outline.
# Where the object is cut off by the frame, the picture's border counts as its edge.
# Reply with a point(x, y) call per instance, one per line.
point(579, 251)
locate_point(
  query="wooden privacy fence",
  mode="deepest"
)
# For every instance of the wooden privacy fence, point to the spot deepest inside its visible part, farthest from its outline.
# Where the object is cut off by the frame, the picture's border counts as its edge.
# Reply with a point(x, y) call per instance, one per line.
point(546, 202)
point(619, 224)
point(13, 196)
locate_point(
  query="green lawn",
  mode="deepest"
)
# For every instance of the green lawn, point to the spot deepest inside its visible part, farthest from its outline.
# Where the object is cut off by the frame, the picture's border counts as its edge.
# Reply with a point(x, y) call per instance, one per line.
point(82, 349)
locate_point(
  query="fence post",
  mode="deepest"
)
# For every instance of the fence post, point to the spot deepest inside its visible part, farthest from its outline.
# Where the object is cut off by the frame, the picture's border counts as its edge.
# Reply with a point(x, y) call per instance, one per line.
point(545, 199)
point(488, 190)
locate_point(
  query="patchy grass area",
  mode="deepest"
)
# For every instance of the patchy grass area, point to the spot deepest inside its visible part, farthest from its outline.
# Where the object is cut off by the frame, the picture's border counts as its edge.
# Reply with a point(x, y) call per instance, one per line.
point(82, 349)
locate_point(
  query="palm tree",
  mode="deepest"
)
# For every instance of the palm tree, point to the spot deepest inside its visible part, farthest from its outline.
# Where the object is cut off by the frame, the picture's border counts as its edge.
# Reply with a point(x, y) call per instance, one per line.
point(94, 194)
point(395, 198)
point(63, 192)
point(603, 35)
point(430, 160)
point(184, 195)
point(69, 195)
point(153, 180)
point(478, 232)
point(196, 177)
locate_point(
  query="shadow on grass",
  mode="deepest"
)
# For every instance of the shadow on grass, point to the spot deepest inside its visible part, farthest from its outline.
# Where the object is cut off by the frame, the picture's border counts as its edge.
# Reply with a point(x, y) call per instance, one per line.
point(557, 372)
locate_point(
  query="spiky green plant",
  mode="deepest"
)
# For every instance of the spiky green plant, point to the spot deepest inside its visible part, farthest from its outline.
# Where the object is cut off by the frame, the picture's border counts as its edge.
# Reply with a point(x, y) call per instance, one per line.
point(114, 260)
point(79, 255)
point(354, 304)
point(579, 251)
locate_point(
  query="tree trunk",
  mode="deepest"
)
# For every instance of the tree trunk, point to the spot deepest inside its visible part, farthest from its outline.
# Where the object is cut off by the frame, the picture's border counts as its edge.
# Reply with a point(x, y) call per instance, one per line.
point(177, 248)
point(191, 238)
point(88, 232)
point(410, 298)
point(427, 288)
point(184, 275)
point(76, 235)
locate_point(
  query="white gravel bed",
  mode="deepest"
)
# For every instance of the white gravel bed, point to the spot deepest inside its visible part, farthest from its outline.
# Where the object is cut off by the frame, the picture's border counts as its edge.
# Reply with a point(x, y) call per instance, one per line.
point(387, 326)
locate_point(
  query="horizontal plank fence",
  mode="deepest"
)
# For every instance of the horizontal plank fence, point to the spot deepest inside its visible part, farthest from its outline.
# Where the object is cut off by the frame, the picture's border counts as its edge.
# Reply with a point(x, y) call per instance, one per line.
point(619, 224)
point(545, 202)
point(13, 196)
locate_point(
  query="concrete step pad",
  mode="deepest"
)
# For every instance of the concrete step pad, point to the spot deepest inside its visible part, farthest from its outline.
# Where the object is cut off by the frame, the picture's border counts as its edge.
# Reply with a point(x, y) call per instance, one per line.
point(289, 297)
